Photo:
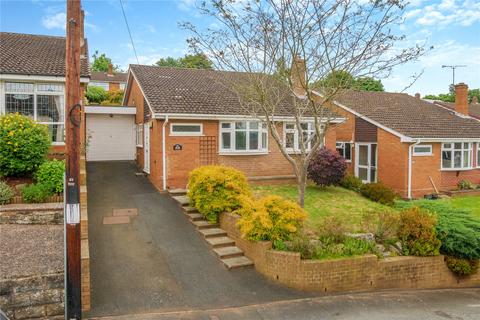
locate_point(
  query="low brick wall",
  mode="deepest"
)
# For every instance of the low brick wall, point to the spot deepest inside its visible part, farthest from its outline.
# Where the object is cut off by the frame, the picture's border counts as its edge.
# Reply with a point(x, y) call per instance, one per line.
point(35, 213)
point(84, 245)
point(33, 297)
point(365, 273)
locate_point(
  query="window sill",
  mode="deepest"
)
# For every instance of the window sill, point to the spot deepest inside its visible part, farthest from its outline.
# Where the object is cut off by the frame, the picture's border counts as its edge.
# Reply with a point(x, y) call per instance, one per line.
point(186, 135)
point(139, 146)
point(58, 143)
point(242, 153)
point(458, 169)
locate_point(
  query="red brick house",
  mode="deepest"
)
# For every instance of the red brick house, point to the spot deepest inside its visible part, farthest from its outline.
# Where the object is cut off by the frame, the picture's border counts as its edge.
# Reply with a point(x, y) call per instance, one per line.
point(109, 80)
point(185, 118)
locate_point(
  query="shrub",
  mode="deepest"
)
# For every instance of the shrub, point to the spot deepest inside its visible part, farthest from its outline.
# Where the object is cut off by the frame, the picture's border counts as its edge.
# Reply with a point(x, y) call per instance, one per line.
point(384, 225)
point(327, 168)
point(24, 144)
point(301, 243)
point(332, 228)
point(465, 185)
point(36, 193)
point(6, 192)
point(462, 267)
point(270, 218)
point(346, 248)
point(351, 182)
point(378, 192)
point(417, 233)
point(115, 96)
point(456, 228)
point(96, 94)
point(50, 173)
point(216, 189)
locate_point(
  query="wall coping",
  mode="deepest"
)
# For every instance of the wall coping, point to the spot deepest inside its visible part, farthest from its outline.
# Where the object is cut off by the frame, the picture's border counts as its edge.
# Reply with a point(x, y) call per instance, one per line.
point(32, 206)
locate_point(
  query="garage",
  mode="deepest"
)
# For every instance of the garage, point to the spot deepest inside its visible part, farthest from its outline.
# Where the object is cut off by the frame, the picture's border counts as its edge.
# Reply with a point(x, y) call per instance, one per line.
point(110, 133)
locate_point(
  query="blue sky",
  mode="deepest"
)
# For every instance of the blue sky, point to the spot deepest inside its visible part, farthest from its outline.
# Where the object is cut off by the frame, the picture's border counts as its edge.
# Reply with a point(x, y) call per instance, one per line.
point(451, 26)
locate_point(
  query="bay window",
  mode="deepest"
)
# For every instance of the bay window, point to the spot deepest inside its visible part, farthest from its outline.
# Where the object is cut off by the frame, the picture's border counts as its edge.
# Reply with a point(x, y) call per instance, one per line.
point(43, 102)
point(345, 150)
point(457, 155)
point(243, 136)
point(292, 138)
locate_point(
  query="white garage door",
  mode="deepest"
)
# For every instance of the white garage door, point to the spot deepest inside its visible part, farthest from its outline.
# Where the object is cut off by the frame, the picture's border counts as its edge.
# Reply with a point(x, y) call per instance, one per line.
point(110, 137)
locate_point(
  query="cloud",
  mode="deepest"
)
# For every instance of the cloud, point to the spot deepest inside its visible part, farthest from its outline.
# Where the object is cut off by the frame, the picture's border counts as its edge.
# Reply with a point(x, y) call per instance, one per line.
point(186, 5)
point(447, 12)
point(55, 21)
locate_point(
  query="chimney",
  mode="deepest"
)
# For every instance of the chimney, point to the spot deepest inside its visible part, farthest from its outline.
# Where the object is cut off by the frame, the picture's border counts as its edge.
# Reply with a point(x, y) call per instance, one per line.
point(298, 75)
point(83, 47)
point(474, 100)
point(461, 98)
point(110, 69)
point(417, 95)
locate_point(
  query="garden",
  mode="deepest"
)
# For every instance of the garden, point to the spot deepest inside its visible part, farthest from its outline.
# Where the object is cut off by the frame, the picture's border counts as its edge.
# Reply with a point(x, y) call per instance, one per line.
point(342, 217)
point(26, 173)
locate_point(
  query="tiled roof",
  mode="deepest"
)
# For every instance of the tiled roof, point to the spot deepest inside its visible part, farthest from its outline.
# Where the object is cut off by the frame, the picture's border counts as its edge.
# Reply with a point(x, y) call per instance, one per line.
point(120, 77)
point(410, 116)
point(198, 91)
point(473, 108)
point(28, 54)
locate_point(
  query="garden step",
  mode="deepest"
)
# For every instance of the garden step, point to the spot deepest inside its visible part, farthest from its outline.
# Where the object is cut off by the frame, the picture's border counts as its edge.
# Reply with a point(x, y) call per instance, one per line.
point(203, 224)
point(182, 200)
point(220, 242)
point(190, 209)
point(213, 232)
point(195, 216)
point(237, 262)
point(178, 192)
point(228, 252)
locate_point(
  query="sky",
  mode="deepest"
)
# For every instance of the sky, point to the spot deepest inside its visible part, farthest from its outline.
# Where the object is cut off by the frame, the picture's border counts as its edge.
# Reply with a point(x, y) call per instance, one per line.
point(452, 27)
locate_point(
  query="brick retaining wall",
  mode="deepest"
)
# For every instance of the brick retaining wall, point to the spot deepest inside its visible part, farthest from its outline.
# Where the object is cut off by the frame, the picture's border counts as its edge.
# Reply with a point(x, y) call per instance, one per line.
point(33, 297)
point(35, 213)
point(365, 273)
point(84, 245)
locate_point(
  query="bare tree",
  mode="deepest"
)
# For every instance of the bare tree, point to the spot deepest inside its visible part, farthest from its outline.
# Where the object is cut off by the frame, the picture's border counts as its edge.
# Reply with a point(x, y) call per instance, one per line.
point(284, 47)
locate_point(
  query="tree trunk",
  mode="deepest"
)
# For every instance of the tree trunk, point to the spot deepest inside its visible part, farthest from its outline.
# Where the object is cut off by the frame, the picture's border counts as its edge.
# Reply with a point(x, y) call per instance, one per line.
point(301, 185)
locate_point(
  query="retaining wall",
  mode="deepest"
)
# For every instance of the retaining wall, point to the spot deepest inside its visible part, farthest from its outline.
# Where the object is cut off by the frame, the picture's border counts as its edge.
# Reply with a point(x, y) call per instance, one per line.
point(365, 273)
point(35, 213)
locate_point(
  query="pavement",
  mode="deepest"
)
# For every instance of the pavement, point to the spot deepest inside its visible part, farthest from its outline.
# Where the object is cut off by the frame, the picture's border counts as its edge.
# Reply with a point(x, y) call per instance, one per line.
point(460, 304)
point(158, 262)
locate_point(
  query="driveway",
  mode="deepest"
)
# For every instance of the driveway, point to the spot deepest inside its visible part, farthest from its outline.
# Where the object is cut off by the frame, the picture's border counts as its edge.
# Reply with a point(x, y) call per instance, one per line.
point(158, 262)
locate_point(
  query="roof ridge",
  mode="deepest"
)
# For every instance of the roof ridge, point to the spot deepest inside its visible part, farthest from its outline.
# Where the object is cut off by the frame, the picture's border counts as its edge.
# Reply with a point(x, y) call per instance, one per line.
point(33, 35)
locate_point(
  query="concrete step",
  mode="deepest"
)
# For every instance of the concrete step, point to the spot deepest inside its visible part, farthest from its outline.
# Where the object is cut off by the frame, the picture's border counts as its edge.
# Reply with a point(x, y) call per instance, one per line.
point(237, 262)
point(182, 200)
point(188, 209)
point(220, 242)
point(177, 192)
point(204, 224)
point(195, 216)
point(213, 232)
point(228, 252)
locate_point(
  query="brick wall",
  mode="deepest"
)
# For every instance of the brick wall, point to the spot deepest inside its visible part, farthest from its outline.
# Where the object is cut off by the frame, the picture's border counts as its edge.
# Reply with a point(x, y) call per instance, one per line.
point(84, 244)
point(38, 213)
point(135, 98)
point(365, 273)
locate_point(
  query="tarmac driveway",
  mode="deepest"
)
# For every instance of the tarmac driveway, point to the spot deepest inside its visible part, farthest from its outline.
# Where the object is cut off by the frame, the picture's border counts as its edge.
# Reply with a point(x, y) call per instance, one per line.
point(157, 262)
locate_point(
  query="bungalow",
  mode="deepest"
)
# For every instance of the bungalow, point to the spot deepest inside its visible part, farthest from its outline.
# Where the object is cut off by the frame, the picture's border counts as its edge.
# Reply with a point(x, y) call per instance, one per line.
point(186, 118)
point(109, 80)
point(32, 80)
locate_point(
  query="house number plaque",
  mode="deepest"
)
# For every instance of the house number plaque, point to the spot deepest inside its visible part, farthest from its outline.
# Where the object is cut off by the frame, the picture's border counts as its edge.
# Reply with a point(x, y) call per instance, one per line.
point(177, 147)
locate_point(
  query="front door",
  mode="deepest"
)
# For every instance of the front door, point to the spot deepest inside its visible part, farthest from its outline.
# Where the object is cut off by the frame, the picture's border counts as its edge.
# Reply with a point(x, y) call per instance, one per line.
point(146, 147)
point(366, 161)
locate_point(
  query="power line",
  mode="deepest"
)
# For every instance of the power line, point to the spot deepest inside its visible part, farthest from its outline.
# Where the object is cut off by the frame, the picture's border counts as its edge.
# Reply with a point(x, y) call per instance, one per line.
point(128, 29)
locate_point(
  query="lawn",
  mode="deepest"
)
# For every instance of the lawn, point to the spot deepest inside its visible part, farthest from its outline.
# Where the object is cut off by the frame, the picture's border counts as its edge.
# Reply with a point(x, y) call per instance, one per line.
point(471, 203)
point(347, 205)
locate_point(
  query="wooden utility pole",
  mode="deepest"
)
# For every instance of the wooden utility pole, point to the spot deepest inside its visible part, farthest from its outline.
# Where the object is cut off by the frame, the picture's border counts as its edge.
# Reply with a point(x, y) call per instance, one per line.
point(73, 306)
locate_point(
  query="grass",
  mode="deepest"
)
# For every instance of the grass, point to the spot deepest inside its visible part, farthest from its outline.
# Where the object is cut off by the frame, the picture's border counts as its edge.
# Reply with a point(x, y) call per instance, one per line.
point(471, 203)
point(320, 203)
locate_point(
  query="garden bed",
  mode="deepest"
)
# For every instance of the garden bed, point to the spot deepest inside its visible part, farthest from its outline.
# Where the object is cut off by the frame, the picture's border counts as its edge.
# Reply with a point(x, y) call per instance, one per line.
point(462, 193)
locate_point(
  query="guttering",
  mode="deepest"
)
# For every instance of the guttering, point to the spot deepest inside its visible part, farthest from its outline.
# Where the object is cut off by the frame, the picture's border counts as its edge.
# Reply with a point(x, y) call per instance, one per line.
point(410, 154)
point(164, 156)
point(32, 77)
point(187, 116)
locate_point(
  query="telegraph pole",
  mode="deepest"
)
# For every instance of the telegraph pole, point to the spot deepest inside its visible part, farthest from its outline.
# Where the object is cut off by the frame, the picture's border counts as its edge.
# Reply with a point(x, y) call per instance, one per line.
point(73, 101)
point(453, 70)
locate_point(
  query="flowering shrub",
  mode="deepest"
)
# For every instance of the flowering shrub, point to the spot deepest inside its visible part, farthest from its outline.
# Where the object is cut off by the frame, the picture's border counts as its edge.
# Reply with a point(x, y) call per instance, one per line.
point(24, 144)
point(270, 218)
point(216, 189)
point(327, 167)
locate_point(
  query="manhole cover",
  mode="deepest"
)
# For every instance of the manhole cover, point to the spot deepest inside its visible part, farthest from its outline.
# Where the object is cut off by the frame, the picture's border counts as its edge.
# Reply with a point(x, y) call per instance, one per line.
point(116, 220)
point(125, 212)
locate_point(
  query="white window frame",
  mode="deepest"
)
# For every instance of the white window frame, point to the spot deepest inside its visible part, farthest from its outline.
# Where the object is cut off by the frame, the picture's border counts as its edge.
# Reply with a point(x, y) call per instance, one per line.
point(478, 154)
point(296, 146)
point(262, 132)
point(104, 85)
point(452, 151)
point(341, 145)
point(187, 133)
point(139, 135)
point(423, 153)
point(36, 92)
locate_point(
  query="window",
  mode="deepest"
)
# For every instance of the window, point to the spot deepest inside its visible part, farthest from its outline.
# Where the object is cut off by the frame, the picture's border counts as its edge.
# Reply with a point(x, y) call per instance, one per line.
point(122, 86)
point(345, 150)
point(243, 136)
point(422, 150)
point(139, 136)
point(457, 155)
point(186, 129)
point(103, 85)
point(478, 154)
point(292, 138)
point(43, 102)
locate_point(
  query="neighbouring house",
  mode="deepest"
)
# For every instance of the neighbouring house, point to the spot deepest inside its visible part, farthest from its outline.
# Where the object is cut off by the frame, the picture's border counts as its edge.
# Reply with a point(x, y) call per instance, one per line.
point(473, 107)
point(409, 144)
point(109, 80)
point(32, 80)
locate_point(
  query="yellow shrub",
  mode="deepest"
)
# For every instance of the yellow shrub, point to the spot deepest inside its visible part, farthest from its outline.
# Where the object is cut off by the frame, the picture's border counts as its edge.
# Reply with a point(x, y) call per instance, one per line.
point(271, 218)
point(216, 189)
